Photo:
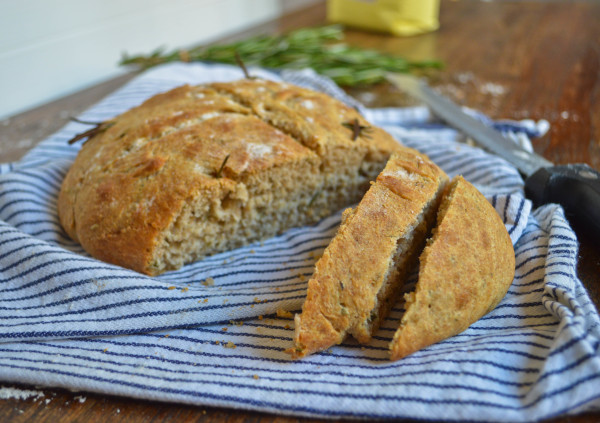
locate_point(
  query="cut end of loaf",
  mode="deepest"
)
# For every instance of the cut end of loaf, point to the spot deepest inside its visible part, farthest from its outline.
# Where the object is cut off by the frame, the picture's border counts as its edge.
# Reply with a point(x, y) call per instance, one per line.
point(257, 207)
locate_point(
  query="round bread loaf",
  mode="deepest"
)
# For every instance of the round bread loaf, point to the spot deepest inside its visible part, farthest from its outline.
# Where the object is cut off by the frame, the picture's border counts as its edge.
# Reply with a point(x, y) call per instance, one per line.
point(203, 169)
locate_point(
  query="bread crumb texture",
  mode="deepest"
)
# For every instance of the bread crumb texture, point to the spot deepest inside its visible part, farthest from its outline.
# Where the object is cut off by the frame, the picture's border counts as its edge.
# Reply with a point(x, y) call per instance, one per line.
point(362, 271)
point(204, 169)
point(465, 271)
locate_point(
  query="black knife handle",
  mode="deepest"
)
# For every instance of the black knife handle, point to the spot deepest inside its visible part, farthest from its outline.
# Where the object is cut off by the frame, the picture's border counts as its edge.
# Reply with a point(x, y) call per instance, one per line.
point(576, 187)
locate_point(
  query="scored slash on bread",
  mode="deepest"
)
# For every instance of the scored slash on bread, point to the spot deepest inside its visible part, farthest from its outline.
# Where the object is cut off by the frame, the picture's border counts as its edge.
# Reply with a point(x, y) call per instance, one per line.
point(362, 270)
point(465, 269)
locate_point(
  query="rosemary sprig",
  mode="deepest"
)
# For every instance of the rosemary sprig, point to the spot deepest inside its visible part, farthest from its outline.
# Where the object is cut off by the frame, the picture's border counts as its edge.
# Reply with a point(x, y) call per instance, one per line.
point(358, 130)
point(98, 128)
point(320, 48)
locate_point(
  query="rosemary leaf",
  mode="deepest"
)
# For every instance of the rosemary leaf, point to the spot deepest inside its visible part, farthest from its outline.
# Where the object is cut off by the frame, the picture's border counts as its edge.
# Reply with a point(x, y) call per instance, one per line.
point(219, 173)
point(357, 129)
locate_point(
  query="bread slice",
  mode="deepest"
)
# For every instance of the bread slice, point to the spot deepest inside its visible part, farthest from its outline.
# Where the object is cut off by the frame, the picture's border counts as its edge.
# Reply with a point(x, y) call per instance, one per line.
point(201, 170)
point(465, 271)
point(362, 270)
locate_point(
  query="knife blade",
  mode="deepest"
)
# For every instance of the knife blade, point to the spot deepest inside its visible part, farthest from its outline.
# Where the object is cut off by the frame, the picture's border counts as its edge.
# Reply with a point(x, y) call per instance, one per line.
point(574, 186)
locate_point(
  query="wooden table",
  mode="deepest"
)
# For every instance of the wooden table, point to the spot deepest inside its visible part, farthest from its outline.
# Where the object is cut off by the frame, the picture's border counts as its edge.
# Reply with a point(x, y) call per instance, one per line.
point(537, 60)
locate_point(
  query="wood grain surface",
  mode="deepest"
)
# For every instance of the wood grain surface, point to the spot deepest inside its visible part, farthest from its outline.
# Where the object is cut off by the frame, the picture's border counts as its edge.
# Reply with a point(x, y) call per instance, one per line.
point(519, 60)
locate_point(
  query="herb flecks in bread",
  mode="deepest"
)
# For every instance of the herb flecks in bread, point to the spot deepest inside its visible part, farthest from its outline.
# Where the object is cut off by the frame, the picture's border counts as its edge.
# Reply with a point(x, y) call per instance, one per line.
point(465, 271)
point(200, 170)
point(363, 269)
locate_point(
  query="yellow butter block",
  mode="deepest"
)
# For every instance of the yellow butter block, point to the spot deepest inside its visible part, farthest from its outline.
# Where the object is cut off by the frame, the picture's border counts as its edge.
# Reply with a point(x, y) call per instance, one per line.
point(398, 17)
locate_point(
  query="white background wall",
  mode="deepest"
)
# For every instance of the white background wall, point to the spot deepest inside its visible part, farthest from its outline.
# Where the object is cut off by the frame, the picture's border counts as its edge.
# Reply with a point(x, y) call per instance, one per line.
point(51, 48)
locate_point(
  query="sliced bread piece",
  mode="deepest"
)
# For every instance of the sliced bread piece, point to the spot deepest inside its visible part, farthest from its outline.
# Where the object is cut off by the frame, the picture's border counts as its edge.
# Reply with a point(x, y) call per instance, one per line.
point(362, 270)
point(465, 270)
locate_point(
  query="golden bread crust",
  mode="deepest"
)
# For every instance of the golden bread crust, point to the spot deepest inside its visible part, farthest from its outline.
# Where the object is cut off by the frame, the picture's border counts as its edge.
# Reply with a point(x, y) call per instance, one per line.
point(210, 148)
point(313, 118)
point(344, 292)
point(465, 271)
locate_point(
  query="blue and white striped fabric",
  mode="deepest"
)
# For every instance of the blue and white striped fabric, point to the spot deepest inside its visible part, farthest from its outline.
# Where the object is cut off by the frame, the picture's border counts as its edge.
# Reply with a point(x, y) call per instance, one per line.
point(67, 320)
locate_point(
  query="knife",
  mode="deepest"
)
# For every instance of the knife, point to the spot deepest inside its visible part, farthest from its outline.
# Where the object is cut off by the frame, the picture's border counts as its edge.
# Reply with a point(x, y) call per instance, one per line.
point(576, 187)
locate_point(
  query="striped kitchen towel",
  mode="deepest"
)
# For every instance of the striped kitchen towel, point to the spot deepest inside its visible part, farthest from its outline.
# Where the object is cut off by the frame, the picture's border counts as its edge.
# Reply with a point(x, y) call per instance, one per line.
point(209, 333)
